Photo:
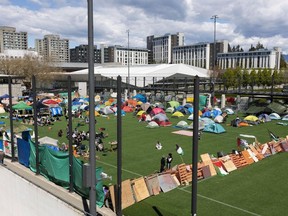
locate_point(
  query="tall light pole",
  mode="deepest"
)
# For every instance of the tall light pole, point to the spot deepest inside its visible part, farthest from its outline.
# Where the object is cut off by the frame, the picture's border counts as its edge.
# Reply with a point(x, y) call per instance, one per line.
point(214, 17)
point(128, 61)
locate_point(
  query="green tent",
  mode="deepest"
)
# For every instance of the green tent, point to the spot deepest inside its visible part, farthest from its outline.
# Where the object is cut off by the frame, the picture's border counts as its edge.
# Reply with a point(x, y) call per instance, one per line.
point(21, 106)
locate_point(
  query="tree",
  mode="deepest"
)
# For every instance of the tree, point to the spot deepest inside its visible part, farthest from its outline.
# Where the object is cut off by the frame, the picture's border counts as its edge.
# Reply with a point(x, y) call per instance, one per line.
point(27, 67)
point(257, 47)
point(283, 63)
point(245, 78)
point(253, 78)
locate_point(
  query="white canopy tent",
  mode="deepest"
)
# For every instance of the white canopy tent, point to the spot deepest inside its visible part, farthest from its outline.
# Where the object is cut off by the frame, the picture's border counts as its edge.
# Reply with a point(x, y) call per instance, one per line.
point(138, 72)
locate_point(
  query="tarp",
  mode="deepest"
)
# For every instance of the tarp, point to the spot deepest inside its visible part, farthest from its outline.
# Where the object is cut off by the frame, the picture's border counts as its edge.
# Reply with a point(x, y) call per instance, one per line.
point(214, 128)
point(276, 108)
point(55, 167)
point(23, 152)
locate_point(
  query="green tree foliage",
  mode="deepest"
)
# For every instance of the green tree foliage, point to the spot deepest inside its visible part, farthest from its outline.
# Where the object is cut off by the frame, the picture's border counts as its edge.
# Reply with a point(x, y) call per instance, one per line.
point(253, 78)
point(228, 78)
point(27, 67)
point(257, 47)
point(283, 63)
point(245, 78)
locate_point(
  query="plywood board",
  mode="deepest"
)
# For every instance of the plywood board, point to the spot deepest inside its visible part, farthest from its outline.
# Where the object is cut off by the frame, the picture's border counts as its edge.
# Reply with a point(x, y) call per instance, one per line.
point(127, 195)
point(140, 189)
point(207, 161)
point(284, 145)
point(153, 184)
point(229, 166)
point(167, 182)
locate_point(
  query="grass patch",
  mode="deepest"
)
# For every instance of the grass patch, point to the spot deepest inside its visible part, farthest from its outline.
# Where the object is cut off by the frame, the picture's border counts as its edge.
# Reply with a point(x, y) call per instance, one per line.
point(259, 189)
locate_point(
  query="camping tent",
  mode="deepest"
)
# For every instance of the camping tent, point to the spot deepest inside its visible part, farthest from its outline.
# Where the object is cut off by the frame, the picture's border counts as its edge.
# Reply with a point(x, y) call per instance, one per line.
point(152, 124)
point(21, 106)
point(214, 128)
point(48, 141)
point(274, 116)
point(177, 114)
point(182, 124)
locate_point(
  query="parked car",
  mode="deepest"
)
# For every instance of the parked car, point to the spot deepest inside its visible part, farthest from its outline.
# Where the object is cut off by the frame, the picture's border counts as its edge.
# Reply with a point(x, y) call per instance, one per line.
point(285, 89)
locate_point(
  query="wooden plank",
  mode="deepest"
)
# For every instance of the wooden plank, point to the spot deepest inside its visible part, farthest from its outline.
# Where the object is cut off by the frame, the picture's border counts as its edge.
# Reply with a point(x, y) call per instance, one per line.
point(127, 194)
point(140, 189)
point(247, 157)
point(207, 161)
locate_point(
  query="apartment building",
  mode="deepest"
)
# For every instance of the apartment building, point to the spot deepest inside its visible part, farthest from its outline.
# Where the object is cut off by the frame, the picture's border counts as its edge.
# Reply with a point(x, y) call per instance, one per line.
point(263, 58)
point(161, 46)
point(198, 55)
point(53, 48)
point(12, 40)
point(80, 54)
point(123, 55)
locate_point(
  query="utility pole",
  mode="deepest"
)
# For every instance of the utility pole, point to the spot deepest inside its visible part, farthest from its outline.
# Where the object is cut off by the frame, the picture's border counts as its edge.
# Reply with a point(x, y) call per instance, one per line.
point(212, 78)
point(128, 62)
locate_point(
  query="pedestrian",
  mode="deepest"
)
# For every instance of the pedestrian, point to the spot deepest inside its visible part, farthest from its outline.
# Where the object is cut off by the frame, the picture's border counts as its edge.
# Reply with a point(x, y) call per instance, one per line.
point(169, 160)
point(162, 164)
point(179, 150)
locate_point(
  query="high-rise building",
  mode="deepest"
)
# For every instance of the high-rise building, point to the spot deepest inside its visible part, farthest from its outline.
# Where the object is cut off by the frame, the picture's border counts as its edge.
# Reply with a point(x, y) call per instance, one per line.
point(162, 46)
point(12, 40)
point(80, 54)
point(53, 48)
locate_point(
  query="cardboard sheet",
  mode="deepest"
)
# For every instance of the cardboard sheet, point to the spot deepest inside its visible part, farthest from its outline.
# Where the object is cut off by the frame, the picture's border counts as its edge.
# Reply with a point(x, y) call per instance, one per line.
point(153, 184)
point(167, 182)
point(207, 161)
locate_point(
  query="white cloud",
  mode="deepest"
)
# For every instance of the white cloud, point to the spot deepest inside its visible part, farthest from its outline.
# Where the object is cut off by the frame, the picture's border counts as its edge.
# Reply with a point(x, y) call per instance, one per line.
point(243, 22)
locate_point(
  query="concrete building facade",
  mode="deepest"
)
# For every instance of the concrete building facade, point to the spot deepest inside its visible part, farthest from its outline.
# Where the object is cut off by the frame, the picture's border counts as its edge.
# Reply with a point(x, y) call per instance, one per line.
point(53, 48)
point(161, 46)
point(263, 58)
point(198, 55)
point(10, 39)
point(123, 55)
point(80, 54)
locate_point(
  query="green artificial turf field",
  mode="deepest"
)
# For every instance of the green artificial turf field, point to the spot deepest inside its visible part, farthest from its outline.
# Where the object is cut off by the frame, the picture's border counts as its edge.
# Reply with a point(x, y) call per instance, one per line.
point(258, 189)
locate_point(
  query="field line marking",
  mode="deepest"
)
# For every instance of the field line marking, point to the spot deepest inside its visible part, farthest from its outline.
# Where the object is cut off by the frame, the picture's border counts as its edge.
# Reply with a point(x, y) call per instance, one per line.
point(183, 189)
point(111, 165)
point(222, 203)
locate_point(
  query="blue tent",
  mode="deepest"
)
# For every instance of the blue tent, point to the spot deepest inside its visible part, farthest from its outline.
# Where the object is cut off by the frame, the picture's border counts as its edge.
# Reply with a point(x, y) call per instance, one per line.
point(214, 128)
point(141, 98)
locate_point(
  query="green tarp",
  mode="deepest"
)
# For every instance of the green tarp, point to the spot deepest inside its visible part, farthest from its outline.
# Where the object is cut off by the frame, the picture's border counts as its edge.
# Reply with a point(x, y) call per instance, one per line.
point(54, 165)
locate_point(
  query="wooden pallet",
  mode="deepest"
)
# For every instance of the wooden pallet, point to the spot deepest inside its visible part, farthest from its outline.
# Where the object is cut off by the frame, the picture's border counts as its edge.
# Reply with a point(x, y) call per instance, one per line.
point(182, 173)
point(238, 160)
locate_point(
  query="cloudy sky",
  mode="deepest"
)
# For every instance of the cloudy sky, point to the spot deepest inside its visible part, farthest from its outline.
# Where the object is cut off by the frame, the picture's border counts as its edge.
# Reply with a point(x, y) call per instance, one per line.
point(242, 22)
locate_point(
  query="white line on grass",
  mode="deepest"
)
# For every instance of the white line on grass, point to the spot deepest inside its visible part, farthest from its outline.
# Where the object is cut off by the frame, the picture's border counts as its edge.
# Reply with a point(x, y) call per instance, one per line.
point(183, 189)
point(122, 168)
point(222, 203)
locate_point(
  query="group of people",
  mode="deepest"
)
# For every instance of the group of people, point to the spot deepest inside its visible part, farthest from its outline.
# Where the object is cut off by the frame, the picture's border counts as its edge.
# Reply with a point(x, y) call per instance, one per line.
point(165, 162)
